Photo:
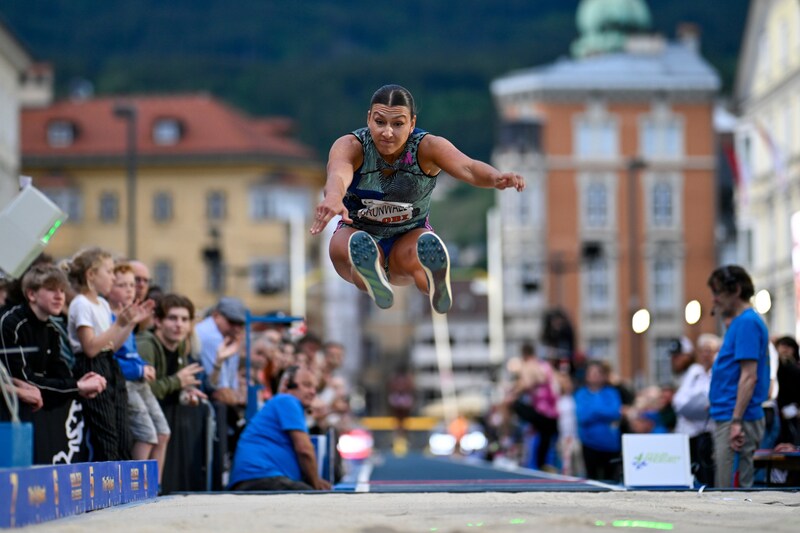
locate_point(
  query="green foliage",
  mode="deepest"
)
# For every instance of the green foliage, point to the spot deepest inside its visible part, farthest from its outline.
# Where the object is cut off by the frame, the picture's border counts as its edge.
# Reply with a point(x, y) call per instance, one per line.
point(319, 61)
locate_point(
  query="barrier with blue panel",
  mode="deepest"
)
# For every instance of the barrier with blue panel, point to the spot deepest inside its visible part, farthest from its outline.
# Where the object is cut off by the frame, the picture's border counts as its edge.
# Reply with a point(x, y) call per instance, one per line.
point(41, 493)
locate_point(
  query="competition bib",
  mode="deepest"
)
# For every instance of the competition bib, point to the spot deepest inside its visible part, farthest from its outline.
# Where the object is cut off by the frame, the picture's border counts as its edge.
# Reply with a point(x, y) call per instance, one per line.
point(386, 212)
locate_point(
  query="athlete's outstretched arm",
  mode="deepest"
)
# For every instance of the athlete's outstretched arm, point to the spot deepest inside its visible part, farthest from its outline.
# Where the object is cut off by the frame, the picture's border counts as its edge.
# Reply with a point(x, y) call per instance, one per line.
point(442, 154)
point(345, 156)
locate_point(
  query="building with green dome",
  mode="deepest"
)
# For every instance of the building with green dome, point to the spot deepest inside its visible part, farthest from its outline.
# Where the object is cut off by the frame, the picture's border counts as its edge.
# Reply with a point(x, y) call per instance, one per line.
point(617, 147)
point(605, 25)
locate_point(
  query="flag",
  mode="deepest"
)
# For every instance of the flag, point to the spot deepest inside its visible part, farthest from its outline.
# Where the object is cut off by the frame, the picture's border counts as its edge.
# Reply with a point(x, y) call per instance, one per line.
point(777, 154)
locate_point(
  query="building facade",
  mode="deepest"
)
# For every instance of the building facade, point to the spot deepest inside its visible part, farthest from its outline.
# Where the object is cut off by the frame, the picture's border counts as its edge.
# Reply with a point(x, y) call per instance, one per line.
point(767, 141)
point(14, 62)
point(618, 148)
point(220, 200)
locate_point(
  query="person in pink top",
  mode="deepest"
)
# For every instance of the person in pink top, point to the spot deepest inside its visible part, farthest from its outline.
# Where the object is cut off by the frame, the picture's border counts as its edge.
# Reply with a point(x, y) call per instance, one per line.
point(534, 399)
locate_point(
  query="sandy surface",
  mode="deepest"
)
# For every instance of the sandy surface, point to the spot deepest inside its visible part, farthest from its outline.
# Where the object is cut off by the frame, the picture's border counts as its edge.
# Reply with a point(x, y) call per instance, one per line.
point(448, 512)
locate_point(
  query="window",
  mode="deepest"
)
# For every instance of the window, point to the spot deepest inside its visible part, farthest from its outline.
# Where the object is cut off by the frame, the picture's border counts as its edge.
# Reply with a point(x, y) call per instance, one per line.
point(599, 348)
point(664, 285)
point(597, 286)
point(662, 205)
point(269, 276)
point(61, 133)
point(69, 200)
point(596, 138)
point(269, 202)
point(167, 131)
point(215, 277)
point(162, 207)
point(109, 207)
point(596, 205)
point(216, 206)
point(662, 360)
point(662, 138)
point(531, 277)
point(162, 275)
point(783, 36)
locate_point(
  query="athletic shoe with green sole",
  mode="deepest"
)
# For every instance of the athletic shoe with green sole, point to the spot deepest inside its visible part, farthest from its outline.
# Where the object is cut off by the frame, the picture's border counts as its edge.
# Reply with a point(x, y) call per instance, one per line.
point(367, 261)
point(435, 262)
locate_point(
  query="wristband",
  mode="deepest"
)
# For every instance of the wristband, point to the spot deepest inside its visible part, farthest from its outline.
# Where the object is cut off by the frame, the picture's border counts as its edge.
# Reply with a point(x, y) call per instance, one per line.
point(736, 421)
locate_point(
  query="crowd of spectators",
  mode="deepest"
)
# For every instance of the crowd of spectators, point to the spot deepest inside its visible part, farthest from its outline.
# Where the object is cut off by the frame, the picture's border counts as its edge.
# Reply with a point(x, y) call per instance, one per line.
point(107, 366)
point(567, 414)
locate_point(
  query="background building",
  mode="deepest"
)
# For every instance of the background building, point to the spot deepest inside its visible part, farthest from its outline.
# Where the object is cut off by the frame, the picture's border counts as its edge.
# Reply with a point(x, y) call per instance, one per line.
point(618, 148)
point(221, 200)
point(14, 63)
point(767, 143)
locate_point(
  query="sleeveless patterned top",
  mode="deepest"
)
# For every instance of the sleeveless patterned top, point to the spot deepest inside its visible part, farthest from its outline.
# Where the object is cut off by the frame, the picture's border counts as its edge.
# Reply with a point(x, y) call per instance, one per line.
point(385, 199)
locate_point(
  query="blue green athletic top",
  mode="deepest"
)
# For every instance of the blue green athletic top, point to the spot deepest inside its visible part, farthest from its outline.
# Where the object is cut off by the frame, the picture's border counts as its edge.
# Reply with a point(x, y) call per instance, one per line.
point(385, 199)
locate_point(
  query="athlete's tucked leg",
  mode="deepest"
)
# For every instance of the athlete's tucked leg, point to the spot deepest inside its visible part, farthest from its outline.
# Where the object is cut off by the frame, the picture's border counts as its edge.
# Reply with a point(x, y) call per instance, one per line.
point(420, 257)
point(359, 260)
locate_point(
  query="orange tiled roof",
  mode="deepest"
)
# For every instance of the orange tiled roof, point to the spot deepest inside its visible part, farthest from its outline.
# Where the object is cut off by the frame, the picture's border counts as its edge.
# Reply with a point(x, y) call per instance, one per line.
point(209, 127)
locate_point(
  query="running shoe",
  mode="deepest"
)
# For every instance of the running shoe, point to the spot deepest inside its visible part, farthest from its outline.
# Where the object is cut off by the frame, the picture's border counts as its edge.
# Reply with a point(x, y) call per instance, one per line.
point(367, 262)
point(435, 262)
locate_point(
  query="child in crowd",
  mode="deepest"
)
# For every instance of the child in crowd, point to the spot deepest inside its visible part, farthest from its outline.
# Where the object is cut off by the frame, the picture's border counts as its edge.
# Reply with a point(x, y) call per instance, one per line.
point(30, 350)
point(94, 338)
point(148, 425)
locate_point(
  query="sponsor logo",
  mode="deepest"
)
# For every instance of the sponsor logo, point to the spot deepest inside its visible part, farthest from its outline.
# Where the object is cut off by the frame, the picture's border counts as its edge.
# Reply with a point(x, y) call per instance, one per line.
point(75, 483)
point(37, 495)
point(108, 483)
point(662, 458)
point(134, 479)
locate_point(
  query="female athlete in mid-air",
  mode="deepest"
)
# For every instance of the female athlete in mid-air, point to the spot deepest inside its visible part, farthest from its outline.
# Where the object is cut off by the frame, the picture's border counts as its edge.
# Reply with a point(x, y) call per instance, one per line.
point(380, 180)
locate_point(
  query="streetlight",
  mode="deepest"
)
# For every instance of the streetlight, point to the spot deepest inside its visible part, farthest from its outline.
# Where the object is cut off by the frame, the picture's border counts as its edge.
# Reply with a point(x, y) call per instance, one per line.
point(693, 312)
point(640, 321)
point(128, 112)
point(763, 301)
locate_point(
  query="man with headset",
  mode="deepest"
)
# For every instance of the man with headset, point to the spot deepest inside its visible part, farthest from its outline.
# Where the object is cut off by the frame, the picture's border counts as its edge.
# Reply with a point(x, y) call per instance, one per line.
point(275, 451)
point(739, 378)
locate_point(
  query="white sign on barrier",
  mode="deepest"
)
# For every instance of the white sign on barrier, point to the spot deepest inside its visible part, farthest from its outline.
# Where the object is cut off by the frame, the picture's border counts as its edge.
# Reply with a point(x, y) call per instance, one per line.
point(660, 460)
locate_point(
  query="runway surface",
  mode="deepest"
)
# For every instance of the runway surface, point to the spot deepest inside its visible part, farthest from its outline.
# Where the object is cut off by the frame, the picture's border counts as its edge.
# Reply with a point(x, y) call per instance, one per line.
point(422, 494)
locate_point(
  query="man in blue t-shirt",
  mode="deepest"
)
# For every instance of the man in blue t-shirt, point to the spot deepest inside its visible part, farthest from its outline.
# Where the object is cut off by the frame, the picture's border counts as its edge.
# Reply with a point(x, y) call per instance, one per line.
point(275, 451)
point(739, 377)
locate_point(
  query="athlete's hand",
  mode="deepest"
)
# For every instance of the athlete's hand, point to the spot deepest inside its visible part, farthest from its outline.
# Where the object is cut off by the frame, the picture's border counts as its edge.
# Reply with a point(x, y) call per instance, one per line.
point(510, 179)
point(326, 210)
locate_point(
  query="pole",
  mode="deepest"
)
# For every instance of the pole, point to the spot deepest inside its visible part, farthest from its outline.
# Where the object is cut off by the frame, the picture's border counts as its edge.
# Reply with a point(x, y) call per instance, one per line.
point(444, 358)
point(297, 265)
point(128, 112)
point(495, 286)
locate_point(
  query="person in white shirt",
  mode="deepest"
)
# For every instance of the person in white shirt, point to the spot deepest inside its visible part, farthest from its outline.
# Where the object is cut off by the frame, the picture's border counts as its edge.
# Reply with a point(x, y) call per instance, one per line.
point(691, 407)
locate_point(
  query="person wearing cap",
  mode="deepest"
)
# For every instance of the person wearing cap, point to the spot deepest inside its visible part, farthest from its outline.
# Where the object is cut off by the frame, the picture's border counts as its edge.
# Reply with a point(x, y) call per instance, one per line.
point(681, 353)
point(220, 336)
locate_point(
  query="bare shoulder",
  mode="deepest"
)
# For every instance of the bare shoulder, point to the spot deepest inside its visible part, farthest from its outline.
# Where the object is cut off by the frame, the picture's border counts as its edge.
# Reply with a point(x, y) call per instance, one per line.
point(437, 152)
point(346, 147)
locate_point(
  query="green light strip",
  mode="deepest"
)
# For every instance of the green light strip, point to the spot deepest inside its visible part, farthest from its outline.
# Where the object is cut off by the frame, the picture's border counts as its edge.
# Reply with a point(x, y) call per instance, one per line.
point(644, 524)
point(51, 231)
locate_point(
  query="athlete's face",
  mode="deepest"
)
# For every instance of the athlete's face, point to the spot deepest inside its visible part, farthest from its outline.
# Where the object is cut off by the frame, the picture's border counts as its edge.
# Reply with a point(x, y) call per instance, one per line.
point(390, 128)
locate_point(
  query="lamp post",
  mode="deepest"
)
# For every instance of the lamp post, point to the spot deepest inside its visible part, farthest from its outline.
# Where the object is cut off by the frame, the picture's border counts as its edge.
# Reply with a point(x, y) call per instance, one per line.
point(127, 111)
point(635, 165)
